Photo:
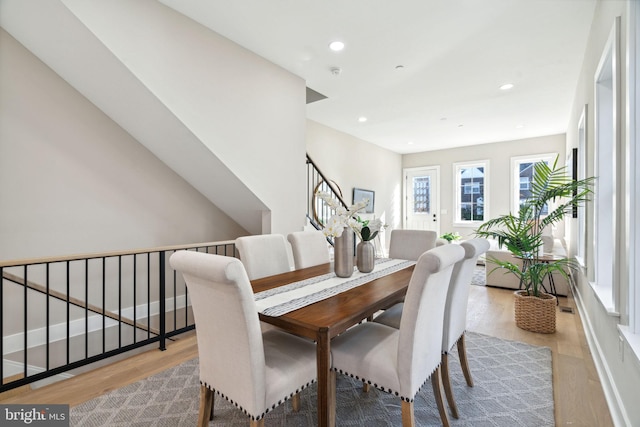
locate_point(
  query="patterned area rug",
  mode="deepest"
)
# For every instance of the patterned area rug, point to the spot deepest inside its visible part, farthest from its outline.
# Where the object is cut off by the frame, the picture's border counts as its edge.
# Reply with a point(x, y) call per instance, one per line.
point(479, 278)
point(513, 387)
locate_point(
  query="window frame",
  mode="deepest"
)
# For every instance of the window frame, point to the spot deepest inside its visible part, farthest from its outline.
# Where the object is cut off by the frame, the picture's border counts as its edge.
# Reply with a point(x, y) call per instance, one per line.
point(581, 232)
point(604, 276)
point(633, 175)
point(457, 202)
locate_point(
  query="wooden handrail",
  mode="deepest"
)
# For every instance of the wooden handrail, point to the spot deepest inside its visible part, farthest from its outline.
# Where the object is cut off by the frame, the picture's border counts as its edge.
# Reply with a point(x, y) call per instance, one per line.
point(79, 257)
point(336, 193)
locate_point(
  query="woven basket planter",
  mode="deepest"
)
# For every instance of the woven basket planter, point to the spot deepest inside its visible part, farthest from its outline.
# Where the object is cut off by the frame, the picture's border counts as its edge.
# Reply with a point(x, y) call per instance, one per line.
point(535, 314)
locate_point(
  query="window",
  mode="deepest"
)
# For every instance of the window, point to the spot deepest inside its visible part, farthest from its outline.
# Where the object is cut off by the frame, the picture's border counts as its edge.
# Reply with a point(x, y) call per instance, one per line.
point(633, 159)
point(606, 126)
point(421, 194)
point(471, 183)
point(632, 155)
point(522, 172)
point(582, 173)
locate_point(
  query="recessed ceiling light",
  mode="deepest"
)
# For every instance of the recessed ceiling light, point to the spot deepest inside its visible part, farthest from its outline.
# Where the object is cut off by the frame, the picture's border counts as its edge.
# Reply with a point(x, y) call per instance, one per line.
point(506, 86)
point(336, 46)
point(410, 143)
point(520, 126)
point(362, 119)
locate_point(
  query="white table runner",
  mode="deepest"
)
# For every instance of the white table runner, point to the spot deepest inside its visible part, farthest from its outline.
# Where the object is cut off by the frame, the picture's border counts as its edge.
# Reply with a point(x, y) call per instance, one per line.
point(283, 299)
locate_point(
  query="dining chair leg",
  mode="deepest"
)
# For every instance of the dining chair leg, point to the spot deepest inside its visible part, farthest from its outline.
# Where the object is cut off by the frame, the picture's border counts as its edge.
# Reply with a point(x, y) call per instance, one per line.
point(408, 419)
point(366, 387)
point(213, 404)
point(295, 402)
point(464, 363)
point(446, 382)
point(436, 382)
point(256, 423)
point(206, 406)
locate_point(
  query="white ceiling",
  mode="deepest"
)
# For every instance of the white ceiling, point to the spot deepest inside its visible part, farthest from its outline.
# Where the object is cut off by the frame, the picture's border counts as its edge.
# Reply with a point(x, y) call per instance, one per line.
point(455, 55)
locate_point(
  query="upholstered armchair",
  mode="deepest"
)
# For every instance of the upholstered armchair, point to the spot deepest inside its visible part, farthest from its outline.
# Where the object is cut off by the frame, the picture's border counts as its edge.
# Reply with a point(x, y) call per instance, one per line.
point(253, 370)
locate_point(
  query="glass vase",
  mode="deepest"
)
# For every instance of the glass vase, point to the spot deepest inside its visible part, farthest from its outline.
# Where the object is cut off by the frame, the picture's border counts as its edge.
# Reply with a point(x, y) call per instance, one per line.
point(365, 257)
point(343, 254)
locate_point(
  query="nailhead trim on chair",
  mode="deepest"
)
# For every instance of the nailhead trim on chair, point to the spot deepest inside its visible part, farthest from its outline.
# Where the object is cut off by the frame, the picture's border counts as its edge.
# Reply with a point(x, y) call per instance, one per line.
point(387, 390)
point(244, 411)
point(455, 342)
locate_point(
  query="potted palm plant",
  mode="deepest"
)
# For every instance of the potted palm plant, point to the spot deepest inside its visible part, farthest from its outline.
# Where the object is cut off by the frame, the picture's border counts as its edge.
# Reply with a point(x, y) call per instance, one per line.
point(553, 194)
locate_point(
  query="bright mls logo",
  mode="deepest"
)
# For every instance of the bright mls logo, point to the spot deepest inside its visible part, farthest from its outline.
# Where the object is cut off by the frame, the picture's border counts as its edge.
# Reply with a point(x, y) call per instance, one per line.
point(36, 415)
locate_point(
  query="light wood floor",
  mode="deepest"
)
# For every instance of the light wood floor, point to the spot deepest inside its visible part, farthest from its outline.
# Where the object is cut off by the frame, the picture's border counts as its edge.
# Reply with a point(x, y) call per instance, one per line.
point(578, 396)
point(577, 392)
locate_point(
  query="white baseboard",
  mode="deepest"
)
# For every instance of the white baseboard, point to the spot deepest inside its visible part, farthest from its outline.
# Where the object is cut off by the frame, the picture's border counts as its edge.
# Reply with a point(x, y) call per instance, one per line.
point(38, 337)
point(11, 367)
point(616, 408)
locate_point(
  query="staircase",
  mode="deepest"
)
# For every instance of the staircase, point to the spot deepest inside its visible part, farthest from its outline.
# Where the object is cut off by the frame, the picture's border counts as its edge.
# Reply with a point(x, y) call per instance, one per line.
point(318, 212)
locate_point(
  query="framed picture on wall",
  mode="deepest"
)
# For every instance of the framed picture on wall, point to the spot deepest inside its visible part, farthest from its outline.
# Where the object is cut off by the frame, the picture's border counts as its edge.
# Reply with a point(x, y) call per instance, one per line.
point(360, 194)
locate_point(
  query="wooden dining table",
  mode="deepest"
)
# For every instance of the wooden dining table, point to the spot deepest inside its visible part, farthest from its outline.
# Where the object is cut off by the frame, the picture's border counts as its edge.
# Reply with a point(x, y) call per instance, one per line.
point(325, 319)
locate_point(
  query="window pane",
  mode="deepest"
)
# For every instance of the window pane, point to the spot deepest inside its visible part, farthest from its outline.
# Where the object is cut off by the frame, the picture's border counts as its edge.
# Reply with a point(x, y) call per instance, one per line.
point(525, 176)
point(471, 192)
point(421, 187)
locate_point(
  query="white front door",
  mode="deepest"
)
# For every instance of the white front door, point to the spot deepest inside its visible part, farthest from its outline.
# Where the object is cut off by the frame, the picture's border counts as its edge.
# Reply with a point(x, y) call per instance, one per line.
point(421, 199)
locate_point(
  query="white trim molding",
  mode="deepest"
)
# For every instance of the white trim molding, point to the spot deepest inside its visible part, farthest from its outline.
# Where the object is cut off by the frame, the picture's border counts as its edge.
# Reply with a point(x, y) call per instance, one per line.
point(632, 175)
point(58, 332)
point(611, 393)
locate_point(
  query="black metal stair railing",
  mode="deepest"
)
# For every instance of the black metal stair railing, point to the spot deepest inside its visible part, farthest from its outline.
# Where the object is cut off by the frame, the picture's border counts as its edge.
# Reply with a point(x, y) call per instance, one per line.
point(318, 212)
point(59, 314)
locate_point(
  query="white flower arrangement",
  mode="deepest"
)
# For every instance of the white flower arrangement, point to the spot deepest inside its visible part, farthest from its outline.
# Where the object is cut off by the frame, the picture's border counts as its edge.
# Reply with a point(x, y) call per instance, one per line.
point(343, 218)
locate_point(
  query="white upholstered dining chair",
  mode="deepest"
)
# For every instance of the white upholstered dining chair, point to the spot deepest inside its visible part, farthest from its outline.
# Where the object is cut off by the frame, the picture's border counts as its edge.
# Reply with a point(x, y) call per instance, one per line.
point(410, 244)
point(253, 370)
point(455, 314)
point(399, 361)
point(309, 248)
point(264, 255)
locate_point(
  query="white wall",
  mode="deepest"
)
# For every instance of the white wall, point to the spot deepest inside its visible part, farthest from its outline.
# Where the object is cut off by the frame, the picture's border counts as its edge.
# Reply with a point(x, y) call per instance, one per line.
point(351, 162)
point(210, 109)
point(72, 181)
point(499, 156)
point(249, 112)
point(618, 366)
